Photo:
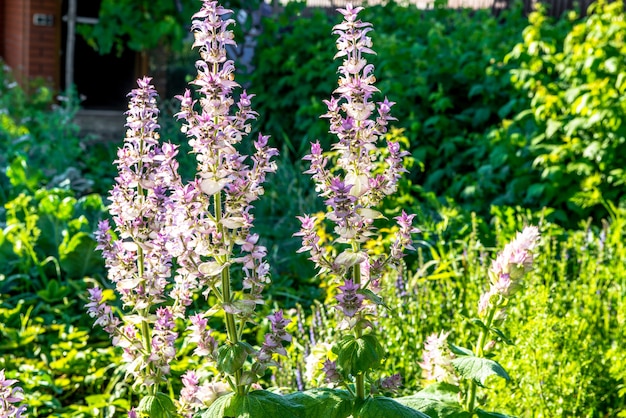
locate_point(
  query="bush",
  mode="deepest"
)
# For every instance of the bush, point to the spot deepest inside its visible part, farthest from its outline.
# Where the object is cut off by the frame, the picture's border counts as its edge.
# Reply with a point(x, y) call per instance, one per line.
point(433, 63)
point(566, 327)
point(565, 147)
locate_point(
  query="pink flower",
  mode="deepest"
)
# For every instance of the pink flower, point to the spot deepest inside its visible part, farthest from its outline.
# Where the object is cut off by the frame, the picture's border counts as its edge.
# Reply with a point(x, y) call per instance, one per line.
point(10, 397)
point(515, 260)
point(437, 359)
point(350, 301)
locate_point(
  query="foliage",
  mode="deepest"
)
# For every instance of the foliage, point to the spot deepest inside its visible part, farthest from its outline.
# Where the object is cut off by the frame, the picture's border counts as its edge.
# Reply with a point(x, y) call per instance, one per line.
point(138, 25)
point(541, 126)
point(40, 135)
point(569, 329)
point(46, 250)
point(49, 345)
point(433, 63)
point(159, 26)
point(564, 148)
point(47, 234)
point(562, 343)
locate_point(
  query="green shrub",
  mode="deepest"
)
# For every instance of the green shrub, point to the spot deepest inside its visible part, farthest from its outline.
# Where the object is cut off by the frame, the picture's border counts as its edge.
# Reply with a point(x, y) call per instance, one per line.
point(566, 327)
point(565, 148)
point(433, 63)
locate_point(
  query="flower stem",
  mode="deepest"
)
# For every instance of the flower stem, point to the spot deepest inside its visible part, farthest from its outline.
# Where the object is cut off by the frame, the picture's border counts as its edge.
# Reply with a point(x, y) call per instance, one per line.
point(478, 351)
point(229, 318)
point(145, 327)
point(358, 332)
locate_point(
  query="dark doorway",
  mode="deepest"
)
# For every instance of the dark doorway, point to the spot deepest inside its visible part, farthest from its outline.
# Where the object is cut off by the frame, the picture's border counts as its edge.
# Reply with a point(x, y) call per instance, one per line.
point(102, 80)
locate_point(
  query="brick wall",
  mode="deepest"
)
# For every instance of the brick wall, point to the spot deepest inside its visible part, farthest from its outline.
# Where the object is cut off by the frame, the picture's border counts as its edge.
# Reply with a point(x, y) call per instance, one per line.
point(45, 42)
point(15, 39)
point(30, 50)
point(2, 28)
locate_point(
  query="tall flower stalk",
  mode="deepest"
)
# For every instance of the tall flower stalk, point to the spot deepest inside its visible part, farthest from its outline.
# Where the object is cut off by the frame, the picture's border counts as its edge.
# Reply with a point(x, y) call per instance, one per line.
point(138, 261)
point(214, 224)
point(505, 275)
point(351, 192)
point(174, 241)
point(465, 369)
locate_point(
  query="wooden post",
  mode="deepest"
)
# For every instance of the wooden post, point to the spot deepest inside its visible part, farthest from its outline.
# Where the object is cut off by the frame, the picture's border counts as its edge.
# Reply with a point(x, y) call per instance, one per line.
point(70, 44)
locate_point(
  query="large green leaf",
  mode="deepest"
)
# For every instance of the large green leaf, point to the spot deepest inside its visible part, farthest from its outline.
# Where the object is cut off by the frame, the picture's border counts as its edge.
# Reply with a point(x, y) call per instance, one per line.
point(381, 407)
point(158, 406)
point(231, 358)
point(327, 403)
point(78, 256)
point(358, 355)
point(484, 414)
point(437, 400)
point(478, 368)
point(256, 404)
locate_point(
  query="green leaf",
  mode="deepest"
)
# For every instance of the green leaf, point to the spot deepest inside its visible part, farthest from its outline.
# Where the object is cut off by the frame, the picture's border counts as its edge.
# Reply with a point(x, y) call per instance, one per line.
point(327, 403)
point(358, 355)
point(611, 65)
point(502, 336)
point(436, 400)
point(382, 407)
point(484, 414)
point(78, 256)
point(552, 126)
point(231, 358)
point(373, 297)
point(478, 368)
point(460, 351)
point(256, 404)
point(159, 406)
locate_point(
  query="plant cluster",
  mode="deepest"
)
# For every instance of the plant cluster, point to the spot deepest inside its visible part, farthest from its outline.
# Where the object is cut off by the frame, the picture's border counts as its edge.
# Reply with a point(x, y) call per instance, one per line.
point(568, 138)
point(442, 108)
point(195, 328)
point(180, 245)
point(532, 115)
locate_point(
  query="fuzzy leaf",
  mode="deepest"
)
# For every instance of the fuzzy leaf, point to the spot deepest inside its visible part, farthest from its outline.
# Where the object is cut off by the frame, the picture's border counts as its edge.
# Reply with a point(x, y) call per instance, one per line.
point(460, 351)
point(502, 336)
point(78, 257)
point(478, 368)
point(358, 355)
point(382, 407)
point(256, 404)
point(231, 358)
point(373, 297)
point(158, 406)
point(327, 403)
point(484, 414)
point(436, 400)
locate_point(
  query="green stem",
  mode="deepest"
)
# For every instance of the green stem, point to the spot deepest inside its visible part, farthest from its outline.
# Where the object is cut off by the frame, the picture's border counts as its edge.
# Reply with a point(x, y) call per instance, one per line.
point(229, 319)
point(479, 352)
point(358, 332)
point(145, 327)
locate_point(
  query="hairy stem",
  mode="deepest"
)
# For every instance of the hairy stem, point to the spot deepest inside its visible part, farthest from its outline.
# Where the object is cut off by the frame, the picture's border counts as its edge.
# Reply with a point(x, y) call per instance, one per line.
point(479, 352)
point(358, 332)
point(229, 318)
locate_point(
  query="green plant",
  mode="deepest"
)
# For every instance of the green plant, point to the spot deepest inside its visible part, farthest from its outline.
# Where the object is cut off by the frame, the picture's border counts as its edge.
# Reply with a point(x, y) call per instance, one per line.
point(47, 235)
point(564, 148)
point(39, 139)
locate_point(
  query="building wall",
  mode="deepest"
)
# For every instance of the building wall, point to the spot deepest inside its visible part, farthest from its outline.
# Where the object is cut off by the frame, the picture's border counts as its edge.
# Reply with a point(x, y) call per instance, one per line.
point(15, 38)
point(45, 41)
point(2, 34)
point(32, 50)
